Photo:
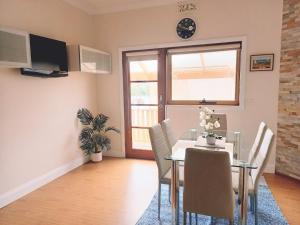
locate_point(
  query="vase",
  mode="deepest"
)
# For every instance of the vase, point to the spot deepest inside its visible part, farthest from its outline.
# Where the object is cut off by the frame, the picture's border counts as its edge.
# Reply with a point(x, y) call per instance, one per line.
point(211, 140)
point(96, 157)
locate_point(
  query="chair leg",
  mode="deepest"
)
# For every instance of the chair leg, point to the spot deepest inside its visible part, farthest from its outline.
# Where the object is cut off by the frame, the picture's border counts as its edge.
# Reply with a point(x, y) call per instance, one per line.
point(178, 205)
point(255, 207)
point(211, 220)
point(251, 202)
point(159, 198)
point(169, 193)
point(190, 218)
point(184, 218)
point(196, 218)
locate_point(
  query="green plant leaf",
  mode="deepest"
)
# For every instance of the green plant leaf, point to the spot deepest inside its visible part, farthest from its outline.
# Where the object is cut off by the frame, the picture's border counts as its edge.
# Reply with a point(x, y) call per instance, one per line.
point(112, 129)
point(86, 134)
point(88, 146)
point(85, 116)
point(102, 141)
point(99, 122)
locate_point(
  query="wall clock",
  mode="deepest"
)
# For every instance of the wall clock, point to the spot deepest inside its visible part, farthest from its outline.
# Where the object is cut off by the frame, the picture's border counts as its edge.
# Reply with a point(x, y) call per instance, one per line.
point(186, 28)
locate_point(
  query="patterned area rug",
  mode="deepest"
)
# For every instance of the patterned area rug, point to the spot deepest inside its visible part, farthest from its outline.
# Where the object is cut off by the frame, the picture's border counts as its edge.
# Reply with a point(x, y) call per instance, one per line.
point(268, 211)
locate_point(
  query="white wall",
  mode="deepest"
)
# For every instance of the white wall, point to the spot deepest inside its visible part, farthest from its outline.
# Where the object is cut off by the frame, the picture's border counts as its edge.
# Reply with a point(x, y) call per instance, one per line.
point(258, 20)
point(39, 130)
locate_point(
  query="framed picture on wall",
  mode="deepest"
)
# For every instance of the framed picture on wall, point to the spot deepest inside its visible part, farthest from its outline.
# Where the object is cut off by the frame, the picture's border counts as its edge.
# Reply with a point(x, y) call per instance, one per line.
point(263, 62)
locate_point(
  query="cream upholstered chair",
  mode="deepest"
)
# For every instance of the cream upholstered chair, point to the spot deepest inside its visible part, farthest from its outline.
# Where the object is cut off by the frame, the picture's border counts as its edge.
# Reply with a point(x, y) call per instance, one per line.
point(208, 184)
point(167, 129)
point(171, 141)
point(260, 161)
point(161, 150)
point(255, 147)
point(257, 142)
point(222, 130)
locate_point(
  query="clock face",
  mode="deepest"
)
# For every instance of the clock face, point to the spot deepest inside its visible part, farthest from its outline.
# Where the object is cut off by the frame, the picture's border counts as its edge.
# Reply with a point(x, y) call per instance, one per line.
point(186, 28)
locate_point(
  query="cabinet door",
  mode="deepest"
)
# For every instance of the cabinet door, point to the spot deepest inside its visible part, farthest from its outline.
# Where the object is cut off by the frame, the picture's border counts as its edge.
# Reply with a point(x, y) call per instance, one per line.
point(14, 48)
point(94, 61)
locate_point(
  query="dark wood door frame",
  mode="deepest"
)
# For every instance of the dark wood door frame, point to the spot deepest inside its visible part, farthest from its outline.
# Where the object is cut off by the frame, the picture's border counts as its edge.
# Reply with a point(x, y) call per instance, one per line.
point(129, 152)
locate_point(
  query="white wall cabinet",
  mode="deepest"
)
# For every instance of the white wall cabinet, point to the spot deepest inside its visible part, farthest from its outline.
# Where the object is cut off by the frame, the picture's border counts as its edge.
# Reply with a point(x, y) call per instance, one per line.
point(14, 48)
point(85, 59)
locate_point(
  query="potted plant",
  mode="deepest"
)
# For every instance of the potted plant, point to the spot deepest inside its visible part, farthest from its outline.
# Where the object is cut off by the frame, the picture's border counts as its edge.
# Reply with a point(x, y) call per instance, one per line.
point(93, 138)
point(209, 124)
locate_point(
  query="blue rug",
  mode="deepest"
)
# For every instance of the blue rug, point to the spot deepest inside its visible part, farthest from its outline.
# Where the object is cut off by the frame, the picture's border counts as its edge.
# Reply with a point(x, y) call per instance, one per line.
point(268, 211)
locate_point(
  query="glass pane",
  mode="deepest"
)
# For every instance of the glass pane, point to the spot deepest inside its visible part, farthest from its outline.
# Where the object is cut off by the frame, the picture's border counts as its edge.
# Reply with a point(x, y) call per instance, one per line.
point(140, 139)
point(205, 75)
point(144, 93)
point(144, 116)
point(143, 70)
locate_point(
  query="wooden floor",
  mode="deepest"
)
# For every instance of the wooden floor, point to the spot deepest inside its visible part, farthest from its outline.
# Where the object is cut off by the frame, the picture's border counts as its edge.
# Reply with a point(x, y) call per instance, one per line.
point(114, 192)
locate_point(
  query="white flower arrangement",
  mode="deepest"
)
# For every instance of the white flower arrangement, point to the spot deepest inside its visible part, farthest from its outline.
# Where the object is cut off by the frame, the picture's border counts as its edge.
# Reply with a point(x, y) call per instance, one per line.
point(207, 122)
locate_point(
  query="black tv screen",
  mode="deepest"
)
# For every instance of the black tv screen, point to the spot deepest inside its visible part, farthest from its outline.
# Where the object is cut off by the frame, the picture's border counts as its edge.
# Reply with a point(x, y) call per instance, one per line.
point(48, 57)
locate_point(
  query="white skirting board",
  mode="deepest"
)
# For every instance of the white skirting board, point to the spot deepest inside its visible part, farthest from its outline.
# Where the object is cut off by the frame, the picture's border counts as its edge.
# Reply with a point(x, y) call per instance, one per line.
point(38, 182)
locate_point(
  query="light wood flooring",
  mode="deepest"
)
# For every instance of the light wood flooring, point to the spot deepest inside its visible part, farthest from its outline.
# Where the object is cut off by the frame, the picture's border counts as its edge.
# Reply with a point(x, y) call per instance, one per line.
point(114, 192)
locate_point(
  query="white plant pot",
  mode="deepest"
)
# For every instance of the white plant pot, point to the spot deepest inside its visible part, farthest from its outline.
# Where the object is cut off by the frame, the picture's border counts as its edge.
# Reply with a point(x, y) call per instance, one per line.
point(96, 157)
point(210, 140)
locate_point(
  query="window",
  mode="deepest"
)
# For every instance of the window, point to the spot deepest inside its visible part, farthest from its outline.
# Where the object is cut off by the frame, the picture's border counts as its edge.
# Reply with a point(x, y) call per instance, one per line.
point(204, 74)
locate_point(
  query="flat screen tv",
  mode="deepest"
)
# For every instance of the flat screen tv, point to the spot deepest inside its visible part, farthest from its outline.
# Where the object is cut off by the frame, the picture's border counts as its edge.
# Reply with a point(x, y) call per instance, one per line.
point(48, 57)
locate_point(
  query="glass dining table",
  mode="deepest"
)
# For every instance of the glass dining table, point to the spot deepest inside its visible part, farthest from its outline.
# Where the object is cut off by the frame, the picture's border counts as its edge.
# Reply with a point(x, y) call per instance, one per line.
point(229, 141)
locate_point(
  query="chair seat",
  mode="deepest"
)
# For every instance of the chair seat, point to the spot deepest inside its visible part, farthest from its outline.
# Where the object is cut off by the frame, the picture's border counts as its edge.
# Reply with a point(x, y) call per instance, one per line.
point(235, 183)
point(167, 178)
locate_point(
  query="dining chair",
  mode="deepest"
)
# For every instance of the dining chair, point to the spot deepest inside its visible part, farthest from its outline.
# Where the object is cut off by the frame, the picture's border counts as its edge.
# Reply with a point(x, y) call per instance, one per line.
point(208, 184)
point(260, 161)
point(222, 118)
point(168, 132)
point(256, 144)
point(161, 150)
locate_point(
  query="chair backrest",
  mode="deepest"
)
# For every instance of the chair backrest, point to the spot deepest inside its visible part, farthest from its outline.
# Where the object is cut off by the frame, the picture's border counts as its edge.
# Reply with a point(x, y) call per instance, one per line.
point(167, 129)
point(160, 149)
point(222, 130)
point(258, 139)
point(262, 157)
point(208, 184)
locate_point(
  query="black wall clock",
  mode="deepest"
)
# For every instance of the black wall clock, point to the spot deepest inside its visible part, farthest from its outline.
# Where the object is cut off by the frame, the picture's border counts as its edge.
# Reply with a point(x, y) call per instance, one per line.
point(186, 28)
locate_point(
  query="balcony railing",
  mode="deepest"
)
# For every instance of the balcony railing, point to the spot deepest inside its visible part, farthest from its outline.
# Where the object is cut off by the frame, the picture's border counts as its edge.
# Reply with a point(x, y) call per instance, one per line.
point(142, 118)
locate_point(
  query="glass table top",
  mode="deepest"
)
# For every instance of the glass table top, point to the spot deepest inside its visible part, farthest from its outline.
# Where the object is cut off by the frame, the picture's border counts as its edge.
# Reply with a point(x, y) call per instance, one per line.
point(194, 138)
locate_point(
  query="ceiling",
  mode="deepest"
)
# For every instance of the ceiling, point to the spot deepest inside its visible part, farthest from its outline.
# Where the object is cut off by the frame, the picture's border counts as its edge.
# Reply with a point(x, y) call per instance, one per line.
point(95, 7)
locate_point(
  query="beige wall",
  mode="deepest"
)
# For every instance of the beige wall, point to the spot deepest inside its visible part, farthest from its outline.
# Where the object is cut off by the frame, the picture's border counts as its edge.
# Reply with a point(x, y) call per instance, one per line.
point(38, 131)
point(258, 20)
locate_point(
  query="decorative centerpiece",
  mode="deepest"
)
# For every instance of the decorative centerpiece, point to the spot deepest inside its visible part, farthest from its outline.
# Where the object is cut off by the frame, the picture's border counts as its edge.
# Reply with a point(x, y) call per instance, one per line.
point(93, 138)
point(209, 124)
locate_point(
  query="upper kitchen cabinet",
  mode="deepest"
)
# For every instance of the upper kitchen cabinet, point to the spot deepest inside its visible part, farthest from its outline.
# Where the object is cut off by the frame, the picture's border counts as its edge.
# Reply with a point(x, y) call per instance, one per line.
point(85, 59)
point(14, 48)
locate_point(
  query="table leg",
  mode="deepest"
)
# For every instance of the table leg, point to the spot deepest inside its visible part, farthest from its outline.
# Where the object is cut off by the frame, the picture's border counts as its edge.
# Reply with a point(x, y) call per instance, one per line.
point(174, 191)
point(243, 195)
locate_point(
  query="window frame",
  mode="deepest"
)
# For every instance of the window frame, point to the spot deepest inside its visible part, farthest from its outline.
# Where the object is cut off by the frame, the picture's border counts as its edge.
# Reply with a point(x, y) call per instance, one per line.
point(235, 102)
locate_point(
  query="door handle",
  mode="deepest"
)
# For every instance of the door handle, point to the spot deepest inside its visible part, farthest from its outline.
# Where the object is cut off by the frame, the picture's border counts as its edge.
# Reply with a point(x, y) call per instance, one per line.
point(160, 98)
point(160, 105)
